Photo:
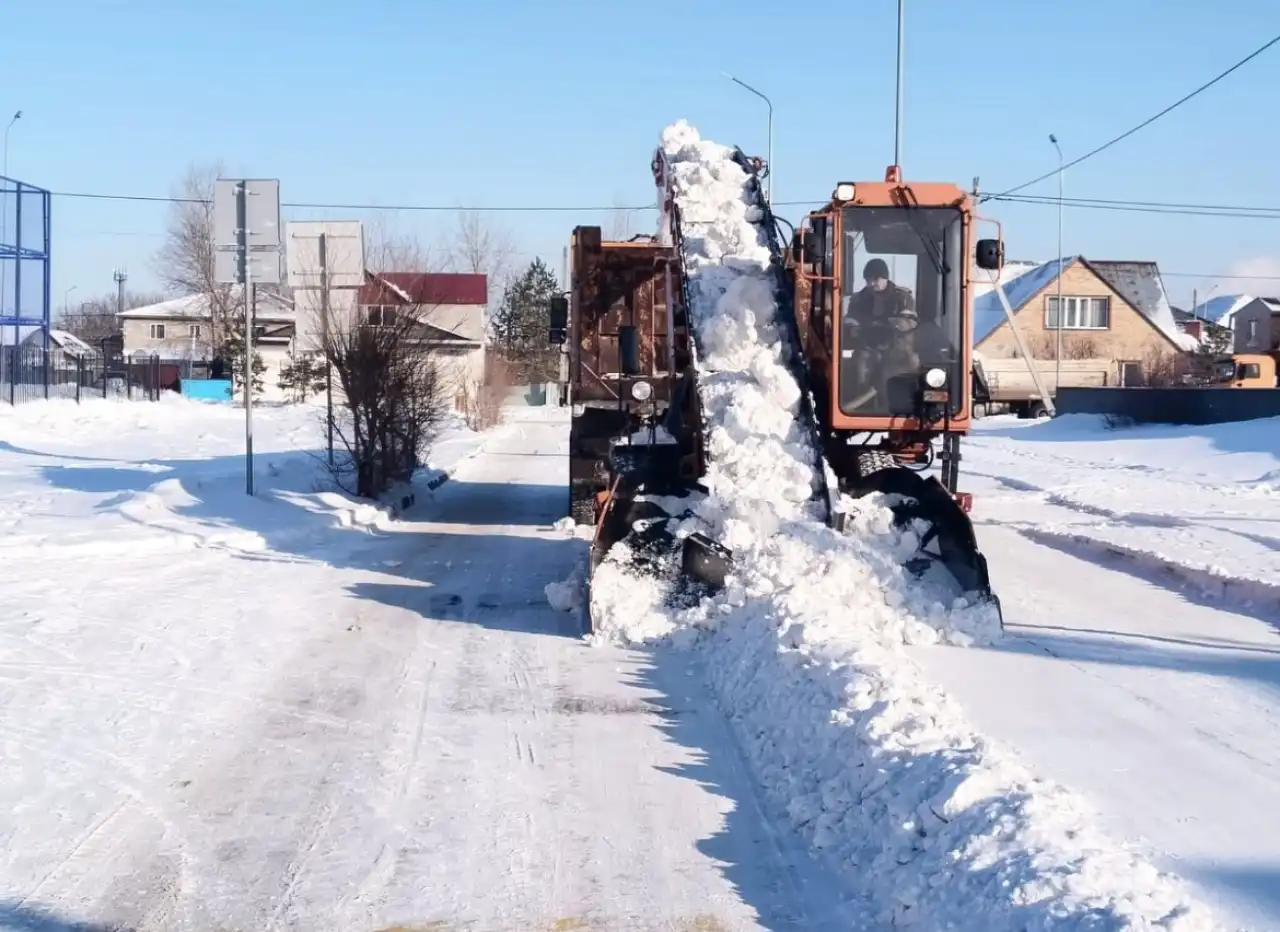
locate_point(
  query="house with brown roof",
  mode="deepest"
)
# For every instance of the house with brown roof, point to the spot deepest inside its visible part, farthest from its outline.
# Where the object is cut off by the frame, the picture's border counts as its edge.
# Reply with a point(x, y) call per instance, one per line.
point(1116, 320)
point(450, 309)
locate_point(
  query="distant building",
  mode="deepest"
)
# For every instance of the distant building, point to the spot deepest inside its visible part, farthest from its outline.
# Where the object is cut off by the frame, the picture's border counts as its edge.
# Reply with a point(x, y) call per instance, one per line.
point(1113, 312)
point(1255, 326)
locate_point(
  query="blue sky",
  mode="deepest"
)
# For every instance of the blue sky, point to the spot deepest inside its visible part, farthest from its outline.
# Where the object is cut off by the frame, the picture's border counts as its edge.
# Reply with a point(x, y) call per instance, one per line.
point(498, 102)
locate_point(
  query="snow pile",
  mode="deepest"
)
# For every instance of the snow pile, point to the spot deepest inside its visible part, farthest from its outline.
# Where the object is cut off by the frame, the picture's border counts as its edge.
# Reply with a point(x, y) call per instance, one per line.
point(106, 475)
point(805, 645)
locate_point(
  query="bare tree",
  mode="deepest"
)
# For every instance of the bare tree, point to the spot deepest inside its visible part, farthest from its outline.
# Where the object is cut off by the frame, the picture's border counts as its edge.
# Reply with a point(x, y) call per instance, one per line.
point(395, 398)
point(185, 263)
point(95, 320)
point(481, 248)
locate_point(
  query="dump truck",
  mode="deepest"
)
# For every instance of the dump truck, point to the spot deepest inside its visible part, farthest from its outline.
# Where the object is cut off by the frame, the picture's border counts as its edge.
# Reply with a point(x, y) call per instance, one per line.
point(1245, 370)
point(627, 362)
point(875, 303)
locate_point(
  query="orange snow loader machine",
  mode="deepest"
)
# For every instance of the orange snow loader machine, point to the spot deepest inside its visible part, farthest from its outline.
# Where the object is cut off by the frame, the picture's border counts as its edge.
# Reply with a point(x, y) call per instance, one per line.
point(875, 302)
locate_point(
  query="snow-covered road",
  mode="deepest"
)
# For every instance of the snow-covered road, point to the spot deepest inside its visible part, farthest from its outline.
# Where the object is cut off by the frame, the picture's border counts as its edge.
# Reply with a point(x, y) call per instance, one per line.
point(361, 732)
point(1122, 678)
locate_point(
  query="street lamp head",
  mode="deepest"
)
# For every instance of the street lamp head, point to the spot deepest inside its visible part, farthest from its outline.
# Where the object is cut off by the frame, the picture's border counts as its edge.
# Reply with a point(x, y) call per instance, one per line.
point(1053, 139)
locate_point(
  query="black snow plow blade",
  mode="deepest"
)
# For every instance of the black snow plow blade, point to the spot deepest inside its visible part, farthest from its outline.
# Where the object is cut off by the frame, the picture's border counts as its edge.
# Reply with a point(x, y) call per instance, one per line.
point(950, 540)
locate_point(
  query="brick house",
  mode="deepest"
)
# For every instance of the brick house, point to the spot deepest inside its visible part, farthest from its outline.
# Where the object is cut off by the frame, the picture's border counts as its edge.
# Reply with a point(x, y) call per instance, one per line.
point(1116, 315)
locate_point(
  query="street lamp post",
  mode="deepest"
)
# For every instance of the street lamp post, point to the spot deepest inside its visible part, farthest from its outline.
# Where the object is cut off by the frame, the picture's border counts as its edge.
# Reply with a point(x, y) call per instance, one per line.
point(1062, 311)
point(66, 296)
point(768, 194)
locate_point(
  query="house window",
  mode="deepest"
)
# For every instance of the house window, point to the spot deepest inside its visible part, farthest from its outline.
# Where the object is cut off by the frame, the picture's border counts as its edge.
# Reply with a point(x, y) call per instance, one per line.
point(157, 331)
point(194, 331)
point(380, 315)
point(1253, 333)
point(1081, 313)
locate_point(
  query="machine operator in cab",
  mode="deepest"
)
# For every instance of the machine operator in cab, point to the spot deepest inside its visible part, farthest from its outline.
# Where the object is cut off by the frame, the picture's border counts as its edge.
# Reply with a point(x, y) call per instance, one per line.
point(878, 335)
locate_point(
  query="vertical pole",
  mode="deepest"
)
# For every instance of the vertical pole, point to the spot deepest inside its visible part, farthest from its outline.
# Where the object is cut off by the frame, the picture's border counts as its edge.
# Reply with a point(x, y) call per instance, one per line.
point(324, 329)
point(246, 277)
point(17, 296)
point(897, 120)
point(1062, 310)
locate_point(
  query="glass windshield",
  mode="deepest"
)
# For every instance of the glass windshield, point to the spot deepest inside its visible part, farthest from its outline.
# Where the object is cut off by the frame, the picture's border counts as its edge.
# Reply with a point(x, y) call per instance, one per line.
point(900, 307)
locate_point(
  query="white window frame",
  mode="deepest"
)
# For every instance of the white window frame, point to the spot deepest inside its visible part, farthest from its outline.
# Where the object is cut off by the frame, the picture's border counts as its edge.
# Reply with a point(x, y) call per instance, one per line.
point(157, 331)
point(1083, 312)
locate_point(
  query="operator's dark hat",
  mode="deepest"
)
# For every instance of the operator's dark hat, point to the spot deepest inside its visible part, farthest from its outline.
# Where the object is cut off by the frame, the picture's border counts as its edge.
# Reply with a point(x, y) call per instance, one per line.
point(876, 268)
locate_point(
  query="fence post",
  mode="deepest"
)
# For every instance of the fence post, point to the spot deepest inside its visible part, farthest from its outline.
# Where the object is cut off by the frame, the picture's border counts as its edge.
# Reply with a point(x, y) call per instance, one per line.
point(79, 376)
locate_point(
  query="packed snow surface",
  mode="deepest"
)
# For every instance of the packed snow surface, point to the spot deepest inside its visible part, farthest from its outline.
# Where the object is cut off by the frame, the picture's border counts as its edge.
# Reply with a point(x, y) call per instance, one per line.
point(933, 826)
point(234, 713)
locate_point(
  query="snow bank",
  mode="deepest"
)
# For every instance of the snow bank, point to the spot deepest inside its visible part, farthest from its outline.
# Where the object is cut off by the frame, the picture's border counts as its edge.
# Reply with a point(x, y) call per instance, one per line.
point(105, 475)
point(805, 646)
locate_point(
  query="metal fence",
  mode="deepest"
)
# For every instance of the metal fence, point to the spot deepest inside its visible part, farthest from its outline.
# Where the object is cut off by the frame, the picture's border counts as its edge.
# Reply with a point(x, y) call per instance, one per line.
point(1172, 405)
point(29, 373)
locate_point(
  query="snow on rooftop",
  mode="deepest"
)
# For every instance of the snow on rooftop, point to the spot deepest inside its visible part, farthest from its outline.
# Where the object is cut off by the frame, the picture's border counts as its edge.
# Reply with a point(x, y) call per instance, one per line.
point(1020, 287)
point(1138, 283)
point(1222, 309)
point(196, 306)
point(935, 826)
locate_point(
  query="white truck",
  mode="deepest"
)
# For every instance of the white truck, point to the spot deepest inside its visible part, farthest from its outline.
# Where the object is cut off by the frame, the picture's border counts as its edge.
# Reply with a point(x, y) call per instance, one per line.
point(1009, 382)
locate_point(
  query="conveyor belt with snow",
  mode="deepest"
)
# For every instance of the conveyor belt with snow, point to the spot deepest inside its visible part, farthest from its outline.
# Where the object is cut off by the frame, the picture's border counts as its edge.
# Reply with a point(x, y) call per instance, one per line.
point(928, 822)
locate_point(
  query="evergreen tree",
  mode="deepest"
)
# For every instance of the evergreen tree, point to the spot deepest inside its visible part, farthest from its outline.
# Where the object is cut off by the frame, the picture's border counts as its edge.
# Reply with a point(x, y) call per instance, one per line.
point(303, 376)
point(522, 321)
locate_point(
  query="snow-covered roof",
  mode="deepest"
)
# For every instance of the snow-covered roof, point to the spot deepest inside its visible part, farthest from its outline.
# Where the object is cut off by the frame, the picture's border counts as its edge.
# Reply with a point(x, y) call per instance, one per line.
point(1223, 308)
point(69, 343)
point(1138, 283)
point(988, 312)
point(196, 307)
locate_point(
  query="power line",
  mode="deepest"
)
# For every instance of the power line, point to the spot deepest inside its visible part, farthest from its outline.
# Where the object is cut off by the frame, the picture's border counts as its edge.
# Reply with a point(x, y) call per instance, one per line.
point(1206, 211)
point(1251, 278)
point(1147, 122)
point(158, 199)
point(1216, 210)
point(1103, 200)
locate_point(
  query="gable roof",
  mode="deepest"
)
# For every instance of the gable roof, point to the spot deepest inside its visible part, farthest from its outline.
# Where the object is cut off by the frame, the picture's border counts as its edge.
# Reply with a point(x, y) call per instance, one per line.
point(1138, 284)
point(1221, 309)
point(988, 312)
point(196, 307)
point(434, 288)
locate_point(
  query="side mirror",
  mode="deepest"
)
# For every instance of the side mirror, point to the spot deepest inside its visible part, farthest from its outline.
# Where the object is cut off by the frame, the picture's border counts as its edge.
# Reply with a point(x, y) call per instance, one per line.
point(559, 319)
point(990, 254)
point(629, 350)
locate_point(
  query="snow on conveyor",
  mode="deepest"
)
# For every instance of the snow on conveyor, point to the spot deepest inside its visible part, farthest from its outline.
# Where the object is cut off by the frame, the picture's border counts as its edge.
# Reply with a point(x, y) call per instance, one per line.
point(931, 825)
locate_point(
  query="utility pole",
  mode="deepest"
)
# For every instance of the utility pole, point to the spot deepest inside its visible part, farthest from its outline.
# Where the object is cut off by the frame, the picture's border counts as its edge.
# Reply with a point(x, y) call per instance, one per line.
point(120, 277)
point(324, 329)
point(1062, 309)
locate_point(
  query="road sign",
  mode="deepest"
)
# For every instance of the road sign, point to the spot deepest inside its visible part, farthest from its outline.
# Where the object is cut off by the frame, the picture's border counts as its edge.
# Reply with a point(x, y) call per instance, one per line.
point(261, 211)
point(264, 267)
point(343, 261)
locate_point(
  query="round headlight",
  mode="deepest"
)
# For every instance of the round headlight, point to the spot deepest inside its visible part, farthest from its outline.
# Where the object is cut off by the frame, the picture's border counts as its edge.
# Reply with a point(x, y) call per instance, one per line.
point(641, 391)
point(935, 378)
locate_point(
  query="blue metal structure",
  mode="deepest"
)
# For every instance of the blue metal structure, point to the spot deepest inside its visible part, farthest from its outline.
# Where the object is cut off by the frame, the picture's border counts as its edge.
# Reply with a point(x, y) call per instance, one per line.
point(26, 233)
